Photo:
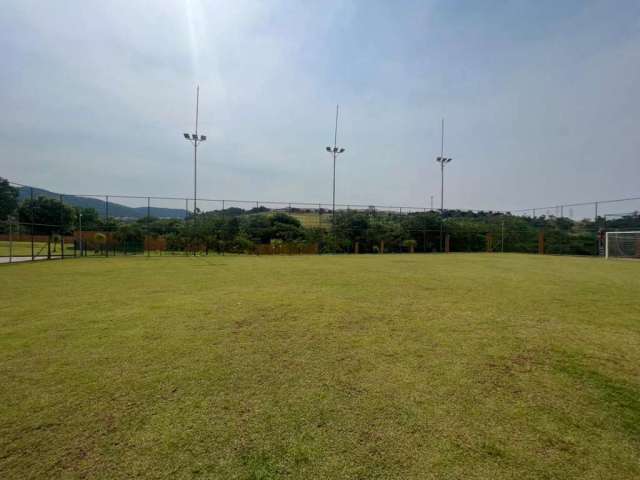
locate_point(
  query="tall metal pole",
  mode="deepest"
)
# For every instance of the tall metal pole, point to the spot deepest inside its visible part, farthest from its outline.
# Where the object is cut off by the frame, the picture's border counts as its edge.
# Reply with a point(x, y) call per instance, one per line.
point(195, 156)
point(335, 152)
point(442, 170)
point(80, 222)
point(442, 189)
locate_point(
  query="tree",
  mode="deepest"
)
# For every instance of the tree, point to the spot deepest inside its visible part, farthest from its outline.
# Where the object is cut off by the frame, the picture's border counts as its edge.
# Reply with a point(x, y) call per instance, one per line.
point(8, 199)
point(100, 240)
point(130, 237)
point(243, 245)
point(350, 227)
point(286, 228)
point(257, 228)
point(276, 244)
point(90, 218)
point(47, 214)
point(410, 245)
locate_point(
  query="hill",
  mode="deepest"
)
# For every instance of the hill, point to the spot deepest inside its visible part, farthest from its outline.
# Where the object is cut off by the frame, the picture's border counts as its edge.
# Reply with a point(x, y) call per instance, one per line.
point(116, 210)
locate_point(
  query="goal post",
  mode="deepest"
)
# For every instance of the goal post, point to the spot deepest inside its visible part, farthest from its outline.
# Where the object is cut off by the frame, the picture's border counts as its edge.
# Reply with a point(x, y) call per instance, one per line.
point(622, 245)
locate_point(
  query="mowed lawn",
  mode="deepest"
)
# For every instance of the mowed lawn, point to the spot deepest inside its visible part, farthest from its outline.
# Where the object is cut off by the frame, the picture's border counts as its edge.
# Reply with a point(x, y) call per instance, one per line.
point(461, 366)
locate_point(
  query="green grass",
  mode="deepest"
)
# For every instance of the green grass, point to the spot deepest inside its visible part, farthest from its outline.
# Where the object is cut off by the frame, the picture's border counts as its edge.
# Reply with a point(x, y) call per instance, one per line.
point(312, 219)
point(23, 249)
point(461, 366)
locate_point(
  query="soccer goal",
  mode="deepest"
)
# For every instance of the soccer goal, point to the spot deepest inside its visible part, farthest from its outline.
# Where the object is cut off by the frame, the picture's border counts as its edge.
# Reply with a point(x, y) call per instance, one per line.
point(622, 245)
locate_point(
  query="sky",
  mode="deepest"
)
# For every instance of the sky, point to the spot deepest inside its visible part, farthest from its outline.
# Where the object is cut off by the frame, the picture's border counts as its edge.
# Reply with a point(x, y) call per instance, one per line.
point(541, 99)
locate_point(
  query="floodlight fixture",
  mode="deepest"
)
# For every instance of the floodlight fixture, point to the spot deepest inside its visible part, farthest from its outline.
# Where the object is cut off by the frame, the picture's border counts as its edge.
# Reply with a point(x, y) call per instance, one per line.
point(329, 149)
point(186, 135)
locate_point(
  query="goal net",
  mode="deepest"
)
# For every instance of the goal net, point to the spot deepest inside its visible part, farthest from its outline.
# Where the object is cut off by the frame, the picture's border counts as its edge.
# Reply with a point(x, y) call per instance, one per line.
point(622, 245)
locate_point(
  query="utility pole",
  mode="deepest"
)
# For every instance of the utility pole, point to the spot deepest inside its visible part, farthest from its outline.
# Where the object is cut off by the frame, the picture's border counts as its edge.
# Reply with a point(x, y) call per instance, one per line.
point(194, 139)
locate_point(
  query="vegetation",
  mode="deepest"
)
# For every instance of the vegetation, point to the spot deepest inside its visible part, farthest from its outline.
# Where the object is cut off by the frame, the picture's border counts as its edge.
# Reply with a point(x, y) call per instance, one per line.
point(238, 230)
point(8, 199)
point(400, 367)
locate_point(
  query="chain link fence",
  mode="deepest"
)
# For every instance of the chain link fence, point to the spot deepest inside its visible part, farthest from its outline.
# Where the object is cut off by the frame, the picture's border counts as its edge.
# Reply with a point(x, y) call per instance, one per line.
point(45, 225)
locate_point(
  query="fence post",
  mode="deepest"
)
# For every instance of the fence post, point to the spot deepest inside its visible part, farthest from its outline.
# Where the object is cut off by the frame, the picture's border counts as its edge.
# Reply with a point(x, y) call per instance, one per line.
point(61, 228)
point(33, 257)
point(424, 232)
point(597, 232)
point(10, 239)
point(148, 242)
point(106, 222)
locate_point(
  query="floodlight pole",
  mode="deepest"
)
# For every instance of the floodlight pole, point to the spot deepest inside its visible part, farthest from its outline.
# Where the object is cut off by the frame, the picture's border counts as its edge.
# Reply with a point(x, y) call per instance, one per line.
point(335, 142)
point(442, 161)
point(195, 156)
point(442, 170)
point(335, 151)
point(195, 139)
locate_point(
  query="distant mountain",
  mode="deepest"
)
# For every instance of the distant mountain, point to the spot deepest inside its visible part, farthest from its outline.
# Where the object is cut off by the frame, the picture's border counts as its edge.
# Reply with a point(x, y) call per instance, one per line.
point(116, 210)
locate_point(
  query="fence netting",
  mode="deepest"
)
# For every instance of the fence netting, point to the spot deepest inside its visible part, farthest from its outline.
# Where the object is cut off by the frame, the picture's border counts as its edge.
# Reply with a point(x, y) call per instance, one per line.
point(40, 224)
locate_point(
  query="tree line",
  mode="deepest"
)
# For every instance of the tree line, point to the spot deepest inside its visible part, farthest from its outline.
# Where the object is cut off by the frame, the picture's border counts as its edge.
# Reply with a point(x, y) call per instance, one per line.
point(370, 231)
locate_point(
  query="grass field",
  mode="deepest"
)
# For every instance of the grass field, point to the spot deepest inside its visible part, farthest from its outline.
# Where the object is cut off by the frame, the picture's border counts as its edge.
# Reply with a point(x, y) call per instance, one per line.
point(23, 249)
point(461, 366)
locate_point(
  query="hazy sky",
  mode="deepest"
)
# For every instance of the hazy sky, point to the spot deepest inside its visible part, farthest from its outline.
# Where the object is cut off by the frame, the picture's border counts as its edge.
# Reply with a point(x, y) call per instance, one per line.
point(541, 99)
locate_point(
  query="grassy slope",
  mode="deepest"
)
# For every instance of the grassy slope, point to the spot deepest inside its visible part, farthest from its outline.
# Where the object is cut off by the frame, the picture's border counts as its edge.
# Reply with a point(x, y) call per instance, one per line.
point(396, 366)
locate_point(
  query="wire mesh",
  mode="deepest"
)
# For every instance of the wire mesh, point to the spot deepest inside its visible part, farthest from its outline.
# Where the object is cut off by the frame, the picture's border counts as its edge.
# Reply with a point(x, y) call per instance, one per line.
point(51, 225)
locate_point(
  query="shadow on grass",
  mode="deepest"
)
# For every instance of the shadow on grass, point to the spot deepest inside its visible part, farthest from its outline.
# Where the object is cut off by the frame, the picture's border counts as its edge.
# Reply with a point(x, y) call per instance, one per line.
point(618, 398)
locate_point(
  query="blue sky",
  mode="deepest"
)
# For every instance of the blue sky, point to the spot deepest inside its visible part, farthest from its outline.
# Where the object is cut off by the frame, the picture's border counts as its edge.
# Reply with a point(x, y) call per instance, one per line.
point(541, 99)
